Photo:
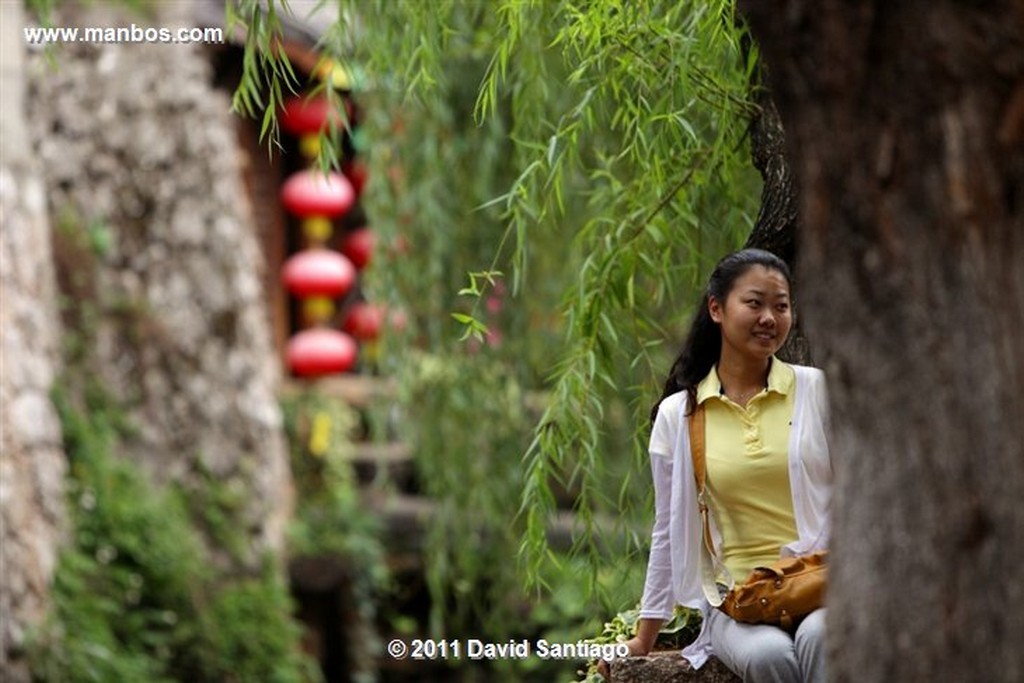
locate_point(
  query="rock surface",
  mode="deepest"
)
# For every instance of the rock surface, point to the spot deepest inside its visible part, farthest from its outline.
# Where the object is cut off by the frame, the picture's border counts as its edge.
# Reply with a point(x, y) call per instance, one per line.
point(141, 163)
point(669, 667)
point(32, 464)
point(130, 150)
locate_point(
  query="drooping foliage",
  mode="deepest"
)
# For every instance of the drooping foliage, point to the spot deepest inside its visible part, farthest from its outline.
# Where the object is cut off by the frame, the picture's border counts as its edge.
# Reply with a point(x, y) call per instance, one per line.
point(559, 175)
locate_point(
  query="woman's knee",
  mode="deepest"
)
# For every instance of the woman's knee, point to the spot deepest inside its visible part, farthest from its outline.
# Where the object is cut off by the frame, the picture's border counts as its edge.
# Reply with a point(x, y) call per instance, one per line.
point(809, 642)
point(762, 653)
point(755, 652)
point(811, 632)
point(770, 659)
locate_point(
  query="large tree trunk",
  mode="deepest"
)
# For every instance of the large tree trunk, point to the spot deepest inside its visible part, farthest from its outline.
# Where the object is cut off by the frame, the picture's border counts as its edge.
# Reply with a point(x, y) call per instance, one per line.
point(776, 225)
point(906, 124)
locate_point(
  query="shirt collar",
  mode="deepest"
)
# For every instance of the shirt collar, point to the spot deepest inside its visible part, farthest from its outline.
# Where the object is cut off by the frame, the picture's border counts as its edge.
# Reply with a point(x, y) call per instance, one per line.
point(781, 378)
point(710, 386)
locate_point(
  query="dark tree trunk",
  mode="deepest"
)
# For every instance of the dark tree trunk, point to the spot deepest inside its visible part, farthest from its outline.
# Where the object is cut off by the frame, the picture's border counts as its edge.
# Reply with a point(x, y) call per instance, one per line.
point(776, 226)
point(906, 126)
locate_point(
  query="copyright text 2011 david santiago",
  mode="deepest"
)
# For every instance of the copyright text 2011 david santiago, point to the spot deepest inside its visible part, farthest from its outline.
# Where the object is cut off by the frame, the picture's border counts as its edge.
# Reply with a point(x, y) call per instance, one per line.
point(472, 648)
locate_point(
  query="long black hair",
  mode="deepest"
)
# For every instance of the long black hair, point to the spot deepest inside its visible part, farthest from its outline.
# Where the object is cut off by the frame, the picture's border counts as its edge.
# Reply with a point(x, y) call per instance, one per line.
point(704, 342)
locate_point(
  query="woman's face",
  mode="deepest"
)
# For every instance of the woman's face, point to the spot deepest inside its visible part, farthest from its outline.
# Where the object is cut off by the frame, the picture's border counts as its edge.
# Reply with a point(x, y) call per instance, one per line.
point(756, 316)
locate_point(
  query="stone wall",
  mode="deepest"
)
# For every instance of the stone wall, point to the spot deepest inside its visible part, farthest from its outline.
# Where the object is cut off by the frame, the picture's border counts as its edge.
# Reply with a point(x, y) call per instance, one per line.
point(131, 148)
point(140, 160)
point(32, 464)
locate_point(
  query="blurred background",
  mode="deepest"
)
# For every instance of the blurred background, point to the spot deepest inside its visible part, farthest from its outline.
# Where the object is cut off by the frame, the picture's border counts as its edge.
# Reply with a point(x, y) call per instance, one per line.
point(346, 326)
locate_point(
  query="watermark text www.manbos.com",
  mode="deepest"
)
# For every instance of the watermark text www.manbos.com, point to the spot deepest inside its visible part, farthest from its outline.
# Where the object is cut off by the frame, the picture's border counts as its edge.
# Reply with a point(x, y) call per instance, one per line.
point(45, 35)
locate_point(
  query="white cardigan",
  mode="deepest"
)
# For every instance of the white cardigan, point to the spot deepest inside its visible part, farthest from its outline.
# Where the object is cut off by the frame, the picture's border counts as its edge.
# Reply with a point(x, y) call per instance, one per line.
point(673, 569)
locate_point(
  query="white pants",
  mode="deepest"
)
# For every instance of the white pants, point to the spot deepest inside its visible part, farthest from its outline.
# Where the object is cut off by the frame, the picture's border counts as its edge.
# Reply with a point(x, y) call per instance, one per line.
point(765, 654)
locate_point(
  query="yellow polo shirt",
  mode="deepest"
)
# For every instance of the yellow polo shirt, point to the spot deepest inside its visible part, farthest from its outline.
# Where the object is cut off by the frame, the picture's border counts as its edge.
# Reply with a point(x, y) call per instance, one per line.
point(747, 469)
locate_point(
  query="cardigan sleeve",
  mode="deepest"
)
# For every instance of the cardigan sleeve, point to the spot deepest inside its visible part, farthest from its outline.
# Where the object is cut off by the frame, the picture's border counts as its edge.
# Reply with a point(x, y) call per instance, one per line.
point(658, 601)
point(811, 469)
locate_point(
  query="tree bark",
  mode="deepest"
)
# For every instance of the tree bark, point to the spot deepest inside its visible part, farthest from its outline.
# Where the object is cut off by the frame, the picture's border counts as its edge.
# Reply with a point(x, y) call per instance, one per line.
point(906, 126)
point(776, 226)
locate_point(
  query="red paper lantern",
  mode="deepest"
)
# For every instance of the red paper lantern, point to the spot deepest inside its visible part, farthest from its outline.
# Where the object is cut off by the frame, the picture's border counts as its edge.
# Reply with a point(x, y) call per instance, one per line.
point(358, 246)
point(318, 272)
point(316, 352)
point(357, 174)
point(364, 321)
point(302, 115)
point(311, 193)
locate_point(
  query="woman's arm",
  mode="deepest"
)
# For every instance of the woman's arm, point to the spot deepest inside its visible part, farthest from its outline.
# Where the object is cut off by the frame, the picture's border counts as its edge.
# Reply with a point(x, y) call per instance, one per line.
point(646, 635)
point(657, 603)
point(641, 644)
point(658, 599)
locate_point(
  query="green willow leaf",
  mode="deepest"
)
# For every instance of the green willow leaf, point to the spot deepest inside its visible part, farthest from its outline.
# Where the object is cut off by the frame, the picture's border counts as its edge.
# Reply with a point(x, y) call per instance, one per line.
point(598, 150)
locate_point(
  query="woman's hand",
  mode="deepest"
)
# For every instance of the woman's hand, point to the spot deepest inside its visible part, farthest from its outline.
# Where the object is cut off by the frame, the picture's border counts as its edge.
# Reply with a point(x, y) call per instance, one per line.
point(637, 648)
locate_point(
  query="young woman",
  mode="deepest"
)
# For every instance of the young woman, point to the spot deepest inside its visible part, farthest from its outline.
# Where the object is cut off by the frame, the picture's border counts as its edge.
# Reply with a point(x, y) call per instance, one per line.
point(769, 476)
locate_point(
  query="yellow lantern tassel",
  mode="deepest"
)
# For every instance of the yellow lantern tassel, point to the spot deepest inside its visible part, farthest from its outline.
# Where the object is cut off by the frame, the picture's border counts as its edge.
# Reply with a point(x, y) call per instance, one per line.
point(338, 76)
point(309, 145)
point(317, 230)
point(371, 351)
point(317, 309)
point(320, 434)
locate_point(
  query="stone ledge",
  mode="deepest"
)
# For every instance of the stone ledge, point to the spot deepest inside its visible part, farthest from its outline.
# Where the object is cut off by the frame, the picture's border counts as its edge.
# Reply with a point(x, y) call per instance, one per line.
point(669, 667)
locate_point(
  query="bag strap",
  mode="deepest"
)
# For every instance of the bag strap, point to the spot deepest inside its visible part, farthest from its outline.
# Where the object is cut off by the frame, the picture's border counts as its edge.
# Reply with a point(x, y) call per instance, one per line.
point(711, 566)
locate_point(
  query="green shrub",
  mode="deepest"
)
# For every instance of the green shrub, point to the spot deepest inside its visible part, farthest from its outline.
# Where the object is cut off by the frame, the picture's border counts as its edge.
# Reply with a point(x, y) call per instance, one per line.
point(133, 598)
point(245, 638)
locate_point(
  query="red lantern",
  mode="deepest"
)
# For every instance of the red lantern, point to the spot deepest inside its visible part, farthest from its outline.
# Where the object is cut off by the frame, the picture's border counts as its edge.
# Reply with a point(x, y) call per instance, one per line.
point(358, 246)
point(318, 272)
point(364, 321)
point(302, 115)
point(311, 193)
point(316, 352)
point(357, 174)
